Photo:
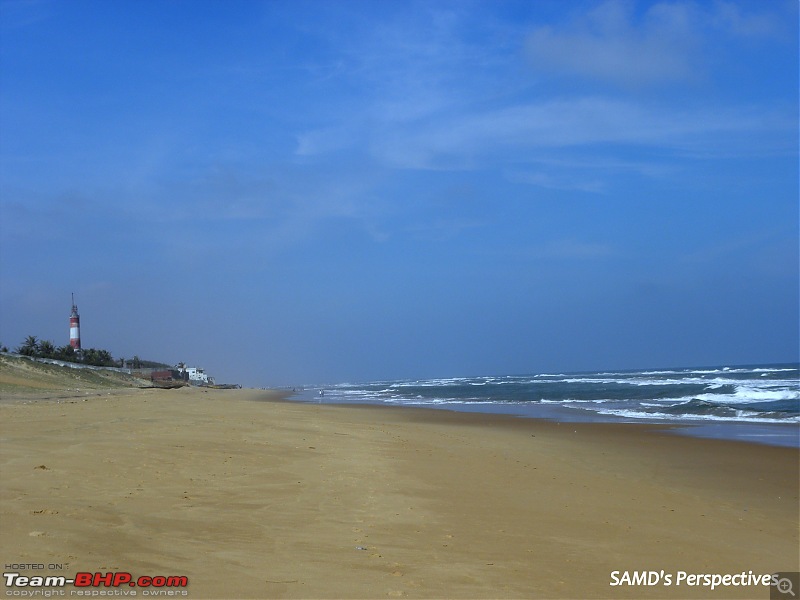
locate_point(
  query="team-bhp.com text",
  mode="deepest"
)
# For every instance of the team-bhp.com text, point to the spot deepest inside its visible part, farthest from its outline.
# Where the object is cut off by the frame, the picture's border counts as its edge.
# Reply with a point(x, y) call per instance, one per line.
point(90, 584)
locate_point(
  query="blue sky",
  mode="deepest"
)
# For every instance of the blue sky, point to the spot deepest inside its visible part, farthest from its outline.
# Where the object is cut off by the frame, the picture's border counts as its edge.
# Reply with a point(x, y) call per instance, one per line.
point(326, 191)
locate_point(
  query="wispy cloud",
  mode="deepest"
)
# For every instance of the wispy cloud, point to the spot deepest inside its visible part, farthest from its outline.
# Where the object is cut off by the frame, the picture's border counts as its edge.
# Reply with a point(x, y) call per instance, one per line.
point(664, 45)
point(326, 140)
point(475, 140)
point(605, 45)
point(22, 13)
point(413, 82)
point(572, 249)
point(311, 160)
point(555, 182)
point(730, 17)
point(445, 228)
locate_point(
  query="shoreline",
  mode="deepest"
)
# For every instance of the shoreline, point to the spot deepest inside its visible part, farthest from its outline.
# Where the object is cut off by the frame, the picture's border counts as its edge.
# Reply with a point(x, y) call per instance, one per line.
point(770, 434)
point(271, 499)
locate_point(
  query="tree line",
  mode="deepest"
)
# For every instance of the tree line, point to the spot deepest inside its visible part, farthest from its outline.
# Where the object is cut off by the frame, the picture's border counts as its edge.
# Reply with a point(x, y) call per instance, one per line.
point(36, 348)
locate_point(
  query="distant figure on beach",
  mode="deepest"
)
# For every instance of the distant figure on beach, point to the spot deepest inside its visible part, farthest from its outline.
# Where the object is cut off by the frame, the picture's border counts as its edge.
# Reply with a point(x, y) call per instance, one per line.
point(322, 392)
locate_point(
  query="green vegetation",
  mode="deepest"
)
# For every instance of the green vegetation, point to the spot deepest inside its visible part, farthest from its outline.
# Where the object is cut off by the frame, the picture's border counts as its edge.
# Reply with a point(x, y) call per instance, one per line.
point(18, 375)
point(148, 364)
point(36, 348)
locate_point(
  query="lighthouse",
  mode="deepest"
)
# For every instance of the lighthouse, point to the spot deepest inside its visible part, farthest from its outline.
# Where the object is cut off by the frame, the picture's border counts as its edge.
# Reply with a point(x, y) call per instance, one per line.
point(74, 326)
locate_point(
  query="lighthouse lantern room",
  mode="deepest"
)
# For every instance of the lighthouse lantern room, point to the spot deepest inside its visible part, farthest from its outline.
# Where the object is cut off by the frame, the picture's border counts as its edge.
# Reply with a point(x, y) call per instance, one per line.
point(74, 326)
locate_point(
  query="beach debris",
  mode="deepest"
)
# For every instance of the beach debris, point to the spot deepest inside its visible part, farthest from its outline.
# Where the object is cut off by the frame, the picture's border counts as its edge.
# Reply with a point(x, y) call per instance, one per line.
point(42, 468)
point(36, 533)
point(361, 548)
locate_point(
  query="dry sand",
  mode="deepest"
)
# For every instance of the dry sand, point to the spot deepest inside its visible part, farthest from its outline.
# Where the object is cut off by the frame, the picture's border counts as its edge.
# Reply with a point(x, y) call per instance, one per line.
point(252, 498)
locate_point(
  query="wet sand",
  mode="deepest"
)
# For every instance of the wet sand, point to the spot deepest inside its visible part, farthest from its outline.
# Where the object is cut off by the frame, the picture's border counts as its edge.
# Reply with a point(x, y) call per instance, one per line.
point(251, 497)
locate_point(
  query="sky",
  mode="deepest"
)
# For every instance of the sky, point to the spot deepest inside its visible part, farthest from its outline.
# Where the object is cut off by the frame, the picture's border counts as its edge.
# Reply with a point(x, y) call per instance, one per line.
point(300, 192)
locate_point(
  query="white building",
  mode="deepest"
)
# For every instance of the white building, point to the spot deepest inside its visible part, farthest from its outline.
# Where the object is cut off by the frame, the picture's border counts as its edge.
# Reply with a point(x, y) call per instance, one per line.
point(197, 375)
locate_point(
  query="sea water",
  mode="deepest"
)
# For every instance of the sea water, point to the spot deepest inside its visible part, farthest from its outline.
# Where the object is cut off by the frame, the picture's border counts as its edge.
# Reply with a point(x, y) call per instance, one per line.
point(759, 403)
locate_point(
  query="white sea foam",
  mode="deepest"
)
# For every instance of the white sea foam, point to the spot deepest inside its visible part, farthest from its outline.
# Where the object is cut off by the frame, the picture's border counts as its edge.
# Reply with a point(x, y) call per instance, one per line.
point(762, 394)
point(747, 394)
point(676, 395)
point(715, 383)
point(430, 382)
point(741, 416)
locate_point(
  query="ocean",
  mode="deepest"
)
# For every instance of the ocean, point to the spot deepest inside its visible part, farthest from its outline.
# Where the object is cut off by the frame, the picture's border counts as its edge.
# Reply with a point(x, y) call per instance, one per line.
point(757, 403)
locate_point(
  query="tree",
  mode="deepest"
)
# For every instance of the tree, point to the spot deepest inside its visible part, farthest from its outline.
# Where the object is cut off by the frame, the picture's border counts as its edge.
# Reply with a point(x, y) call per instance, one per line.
point(98, 358)
point(47, 349)
point(30, 347)
point(66, 353)
point(104, 358)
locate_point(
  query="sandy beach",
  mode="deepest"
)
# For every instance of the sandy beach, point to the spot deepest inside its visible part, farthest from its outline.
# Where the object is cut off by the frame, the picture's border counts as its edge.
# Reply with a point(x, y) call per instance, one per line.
point(249, 496)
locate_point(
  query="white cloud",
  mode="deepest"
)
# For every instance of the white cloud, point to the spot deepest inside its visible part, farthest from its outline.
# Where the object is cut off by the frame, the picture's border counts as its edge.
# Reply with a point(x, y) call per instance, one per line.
point(666, 44)
point(572, 249)
point(23, 13)
point(556, 182)
point(607, 45)
point(325, 140)
point(729, 16)
point(445, 228)
point(435, 94)
point(519, 133)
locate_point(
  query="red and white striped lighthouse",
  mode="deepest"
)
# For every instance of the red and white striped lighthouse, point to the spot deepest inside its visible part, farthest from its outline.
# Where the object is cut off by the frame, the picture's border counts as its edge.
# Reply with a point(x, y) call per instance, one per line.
point(74, 326)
